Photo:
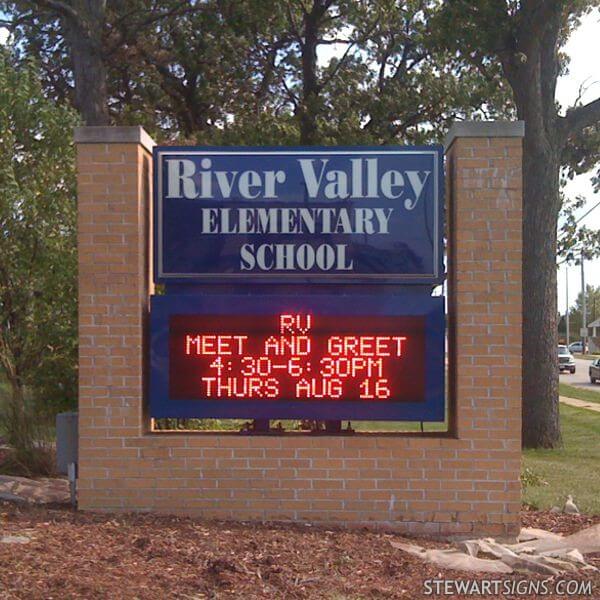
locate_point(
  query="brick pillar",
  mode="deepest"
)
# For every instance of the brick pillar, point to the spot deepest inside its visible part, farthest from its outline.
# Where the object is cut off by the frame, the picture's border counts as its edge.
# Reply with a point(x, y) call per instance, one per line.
point(484, 171)
point(464, 482)
point(114, 169)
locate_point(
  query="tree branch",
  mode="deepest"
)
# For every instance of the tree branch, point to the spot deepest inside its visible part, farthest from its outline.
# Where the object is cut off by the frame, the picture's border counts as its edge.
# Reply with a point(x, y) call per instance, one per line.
point(128, 28)
point(294, 25)
point(62, 8)
point(292, 97)
point(580, 117)
point(349, 48)
point(177, 11)
point(12, 24)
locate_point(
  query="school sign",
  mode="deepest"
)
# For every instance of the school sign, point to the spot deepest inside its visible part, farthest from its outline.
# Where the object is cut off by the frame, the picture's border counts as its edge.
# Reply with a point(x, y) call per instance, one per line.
point(258, 214)
point(272, 283)
point(308, 217)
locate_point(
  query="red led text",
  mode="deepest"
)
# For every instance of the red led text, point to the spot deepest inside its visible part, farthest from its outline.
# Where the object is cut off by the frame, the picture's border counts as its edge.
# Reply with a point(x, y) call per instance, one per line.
point(294, 356)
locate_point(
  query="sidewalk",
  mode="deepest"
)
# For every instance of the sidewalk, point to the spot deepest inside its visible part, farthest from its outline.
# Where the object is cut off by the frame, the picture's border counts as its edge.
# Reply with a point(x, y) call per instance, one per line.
point(595, 406)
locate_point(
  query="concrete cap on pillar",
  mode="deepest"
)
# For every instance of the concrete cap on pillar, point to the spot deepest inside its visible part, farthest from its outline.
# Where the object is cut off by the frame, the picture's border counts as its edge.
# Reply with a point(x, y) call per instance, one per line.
point(114, 135)
point(466, 129)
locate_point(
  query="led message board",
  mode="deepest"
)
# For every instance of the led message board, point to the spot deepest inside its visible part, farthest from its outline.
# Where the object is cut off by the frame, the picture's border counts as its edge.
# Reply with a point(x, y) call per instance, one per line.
point(302, 357)
point(298, 214)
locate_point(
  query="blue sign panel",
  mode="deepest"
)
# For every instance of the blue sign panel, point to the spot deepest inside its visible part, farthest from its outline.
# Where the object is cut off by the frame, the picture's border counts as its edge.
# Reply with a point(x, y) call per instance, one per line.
point(298, 214)
point(298, 357)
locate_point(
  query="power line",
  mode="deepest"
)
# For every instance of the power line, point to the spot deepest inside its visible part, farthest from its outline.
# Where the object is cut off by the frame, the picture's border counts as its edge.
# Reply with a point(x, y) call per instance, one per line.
point(573, 250)
point(588, 212)
point(585, 215)
point(567, 259)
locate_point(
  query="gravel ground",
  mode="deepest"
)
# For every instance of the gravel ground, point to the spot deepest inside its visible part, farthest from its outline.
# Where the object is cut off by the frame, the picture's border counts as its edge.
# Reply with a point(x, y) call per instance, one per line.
point(85, 555)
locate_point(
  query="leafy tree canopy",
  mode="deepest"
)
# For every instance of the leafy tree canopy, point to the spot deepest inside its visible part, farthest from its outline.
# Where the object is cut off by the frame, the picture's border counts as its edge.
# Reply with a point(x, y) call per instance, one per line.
point(252, 72)
point(38, 268)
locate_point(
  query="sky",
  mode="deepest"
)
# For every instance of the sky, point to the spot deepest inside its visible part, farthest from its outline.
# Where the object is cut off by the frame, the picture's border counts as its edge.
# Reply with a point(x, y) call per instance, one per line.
point(583, 47)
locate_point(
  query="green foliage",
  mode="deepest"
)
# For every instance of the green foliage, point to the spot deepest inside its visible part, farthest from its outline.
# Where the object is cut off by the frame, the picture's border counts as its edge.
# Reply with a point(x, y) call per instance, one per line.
point(226, 72)
point(38, 265)
point(592, 298)
point(530, 478)
point(488, 27)
point(167, 424)
point(575, 239)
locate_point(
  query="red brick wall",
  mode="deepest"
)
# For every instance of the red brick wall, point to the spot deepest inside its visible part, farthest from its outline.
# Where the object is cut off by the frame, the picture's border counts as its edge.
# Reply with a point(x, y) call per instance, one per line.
point(458, 484)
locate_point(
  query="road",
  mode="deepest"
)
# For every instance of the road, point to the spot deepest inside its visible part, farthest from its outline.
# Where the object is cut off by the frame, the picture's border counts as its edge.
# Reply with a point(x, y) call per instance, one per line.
point(581, 378)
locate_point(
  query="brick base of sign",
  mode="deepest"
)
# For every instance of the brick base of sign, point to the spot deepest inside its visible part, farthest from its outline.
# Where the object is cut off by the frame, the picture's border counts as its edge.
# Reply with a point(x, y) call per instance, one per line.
point(463, 484)
point(415, 485)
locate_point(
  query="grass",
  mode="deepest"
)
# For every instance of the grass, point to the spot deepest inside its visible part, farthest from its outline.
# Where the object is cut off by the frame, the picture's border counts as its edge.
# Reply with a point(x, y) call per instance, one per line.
point(570, 391)
point(587, 356)
point(573, 469)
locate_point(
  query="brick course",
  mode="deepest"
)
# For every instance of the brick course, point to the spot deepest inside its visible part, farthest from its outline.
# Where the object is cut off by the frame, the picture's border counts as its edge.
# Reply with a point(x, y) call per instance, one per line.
point(462, 483)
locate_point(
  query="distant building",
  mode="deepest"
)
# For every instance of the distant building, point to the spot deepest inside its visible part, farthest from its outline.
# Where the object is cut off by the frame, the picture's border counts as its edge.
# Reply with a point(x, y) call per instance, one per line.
point(594, 336)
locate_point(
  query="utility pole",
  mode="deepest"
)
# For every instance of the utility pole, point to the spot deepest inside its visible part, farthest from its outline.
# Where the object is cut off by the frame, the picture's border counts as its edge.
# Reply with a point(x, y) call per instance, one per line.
point(567, 309)
point(584, 307)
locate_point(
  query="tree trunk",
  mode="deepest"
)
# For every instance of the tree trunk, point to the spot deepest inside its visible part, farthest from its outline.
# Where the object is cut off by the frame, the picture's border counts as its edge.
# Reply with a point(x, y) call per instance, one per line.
point(310, 106)
point(15, 416)
point(533, 76)
point(17, 397)
point(541, 427)
point(84, 36)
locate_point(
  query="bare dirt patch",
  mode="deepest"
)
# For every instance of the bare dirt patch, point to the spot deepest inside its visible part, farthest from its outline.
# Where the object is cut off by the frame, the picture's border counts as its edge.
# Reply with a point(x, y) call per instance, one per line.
point(84, 555)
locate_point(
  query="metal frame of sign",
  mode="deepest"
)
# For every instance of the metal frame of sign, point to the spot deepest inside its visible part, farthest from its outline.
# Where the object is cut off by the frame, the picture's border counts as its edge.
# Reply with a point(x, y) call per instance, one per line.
point(434, 278)
point(407, 303)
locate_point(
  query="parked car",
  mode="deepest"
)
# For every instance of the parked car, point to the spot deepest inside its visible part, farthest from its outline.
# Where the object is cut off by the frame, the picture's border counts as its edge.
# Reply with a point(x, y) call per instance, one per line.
point(566, 362)
point(595, 371)
point(576, 347)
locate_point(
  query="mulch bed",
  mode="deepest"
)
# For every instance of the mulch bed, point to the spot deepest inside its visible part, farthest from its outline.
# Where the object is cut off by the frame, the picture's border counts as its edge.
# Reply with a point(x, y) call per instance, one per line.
point(86, 555)
point(557, 522)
